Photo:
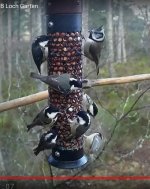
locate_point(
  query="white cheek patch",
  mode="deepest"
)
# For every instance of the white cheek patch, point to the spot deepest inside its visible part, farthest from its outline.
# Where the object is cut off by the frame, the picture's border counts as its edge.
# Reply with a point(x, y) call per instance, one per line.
point(48, 136)
point(54, 140)
point(81, 121)
point(43, 44)
point(52, 115)
point(73, 88)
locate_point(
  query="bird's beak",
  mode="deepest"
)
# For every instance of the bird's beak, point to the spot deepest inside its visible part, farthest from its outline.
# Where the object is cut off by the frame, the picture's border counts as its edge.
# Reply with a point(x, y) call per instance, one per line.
point(60, 113)
point(85, 80)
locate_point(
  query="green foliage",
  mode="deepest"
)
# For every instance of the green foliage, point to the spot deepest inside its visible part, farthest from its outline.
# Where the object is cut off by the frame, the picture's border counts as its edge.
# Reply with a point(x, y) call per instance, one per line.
point(116, 102)
point(138, 64)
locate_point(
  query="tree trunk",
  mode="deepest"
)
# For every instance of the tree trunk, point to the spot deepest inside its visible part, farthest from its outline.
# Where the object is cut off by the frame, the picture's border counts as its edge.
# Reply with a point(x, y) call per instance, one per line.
point(124, 54)
point(9, 50)
point(121, 48)
point(85, 20)
point(121, 31)
point(119, 35)
point(1, 54)
point(110, 42)
point(31, 26)
point(85, 28)
point(42, 30)
point(18, 66)
point(39, 18)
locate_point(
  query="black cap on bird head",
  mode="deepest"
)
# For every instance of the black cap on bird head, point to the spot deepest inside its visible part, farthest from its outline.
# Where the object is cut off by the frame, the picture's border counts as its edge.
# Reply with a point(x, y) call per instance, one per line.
point(42, 38)
point(51, 109)
point(75, 84)
point(84, 115)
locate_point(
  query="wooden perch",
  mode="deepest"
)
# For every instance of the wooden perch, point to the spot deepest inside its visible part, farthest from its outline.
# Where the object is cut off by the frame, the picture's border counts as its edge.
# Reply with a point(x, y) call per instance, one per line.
point(117, 80)
point(23, 101)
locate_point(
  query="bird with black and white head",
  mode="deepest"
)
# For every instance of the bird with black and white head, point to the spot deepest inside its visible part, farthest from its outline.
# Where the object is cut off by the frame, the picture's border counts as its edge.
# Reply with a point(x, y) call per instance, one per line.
point(63, 83)
point(47, 116)
point(47, 141)
point(97, 35)
point(93, 46)
point(93, 143)
point(89, 105)
point(79, 125)
point(40, 50)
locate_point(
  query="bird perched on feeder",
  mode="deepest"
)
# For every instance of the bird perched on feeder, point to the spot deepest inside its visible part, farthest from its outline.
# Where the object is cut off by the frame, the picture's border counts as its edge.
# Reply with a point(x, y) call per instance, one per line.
point(90, 105)
point(93, 45)
point(40, 50)
point(63, 83)
point(47, 141)
point(80, 124)
point(93, 143)
point(48, 115)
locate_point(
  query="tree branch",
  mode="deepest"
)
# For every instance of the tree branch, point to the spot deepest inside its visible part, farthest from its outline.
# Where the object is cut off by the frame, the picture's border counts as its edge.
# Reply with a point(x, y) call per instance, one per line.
point(121, 118)
point(90, 83)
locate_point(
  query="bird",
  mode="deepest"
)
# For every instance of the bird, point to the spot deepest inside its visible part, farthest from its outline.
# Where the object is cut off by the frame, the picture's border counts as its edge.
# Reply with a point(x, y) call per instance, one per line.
point(47, 141)
point(40, 50)
point(90, 105)
point(79, 124)
point(93, 143)
point(48, 115)
point(63, 83)
point(93, 46)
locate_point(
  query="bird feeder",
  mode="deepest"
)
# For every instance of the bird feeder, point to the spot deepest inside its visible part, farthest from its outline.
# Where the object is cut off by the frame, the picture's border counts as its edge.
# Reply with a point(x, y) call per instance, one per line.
point(64, 23)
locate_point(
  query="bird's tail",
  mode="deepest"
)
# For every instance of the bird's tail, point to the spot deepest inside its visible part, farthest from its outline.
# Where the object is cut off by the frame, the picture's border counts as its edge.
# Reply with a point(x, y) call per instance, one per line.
point(29, 127)
point(35, 75)
point(36, 151)
point(40, 77)
point(97, 69)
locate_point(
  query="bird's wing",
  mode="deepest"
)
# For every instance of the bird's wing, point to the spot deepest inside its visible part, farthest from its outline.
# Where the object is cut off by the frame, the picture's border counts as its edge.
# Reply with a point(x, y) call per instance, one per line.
point(96, 144)
point(36, 50)
point(63, 83)
point(94, 52)
point(37, 55)
point(56, 85)
point(86, 49)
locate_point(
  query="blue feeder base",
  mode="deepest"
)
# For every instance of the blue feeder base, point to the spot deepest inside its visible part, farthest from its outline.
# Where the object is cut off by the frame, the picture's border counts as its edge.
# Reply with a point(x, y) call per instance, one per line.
point(68, 164)
point(67, 159)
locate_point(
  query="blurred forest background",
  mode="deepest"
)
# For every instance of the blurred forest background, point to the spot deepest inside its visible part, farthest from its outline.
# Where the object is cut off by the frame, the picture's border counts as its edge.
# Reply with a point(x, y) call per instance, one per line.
point(124, 123)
